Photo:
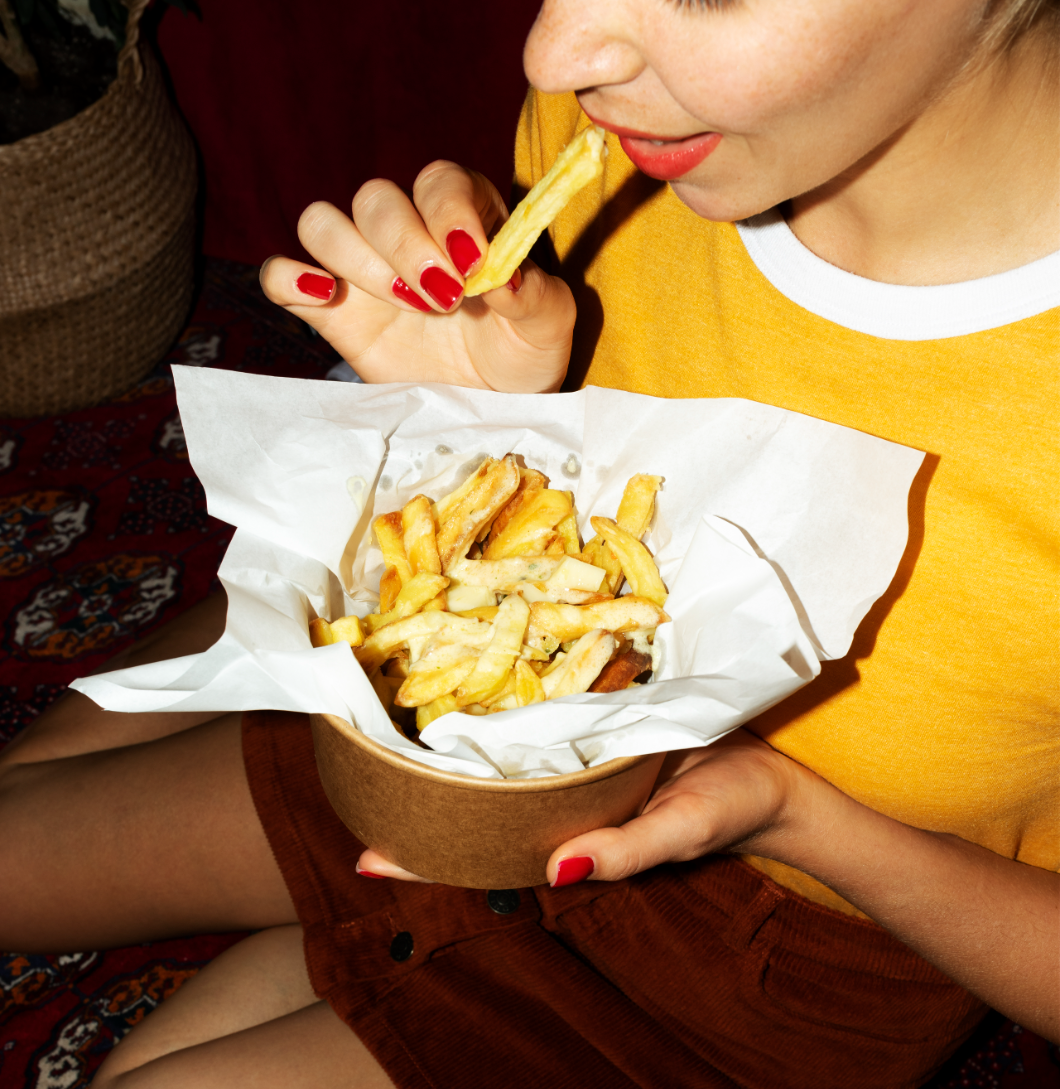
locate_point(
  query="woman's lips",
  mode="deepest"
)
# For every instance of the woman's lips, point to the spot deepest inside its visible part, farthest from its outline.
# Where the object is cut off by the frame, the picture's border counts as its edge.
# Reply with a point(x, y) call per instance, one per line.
point(668, 159)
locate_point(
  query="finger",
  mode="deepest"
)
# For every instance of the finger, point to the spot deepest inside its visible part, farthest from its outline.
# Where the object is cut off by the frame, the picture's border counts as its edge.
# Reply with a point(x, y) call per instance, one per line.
point(291, 283)
point(334, 240)
point(674, 831)
point(390, 224)
point(459, 208)
point(372, 864)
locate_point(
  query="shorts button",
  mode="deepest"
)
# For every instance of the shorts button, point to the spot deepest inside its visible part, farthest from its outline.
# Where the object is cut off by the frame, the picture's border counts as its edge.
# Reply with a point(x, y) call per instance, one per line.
point(401, 946)
point(503, 901)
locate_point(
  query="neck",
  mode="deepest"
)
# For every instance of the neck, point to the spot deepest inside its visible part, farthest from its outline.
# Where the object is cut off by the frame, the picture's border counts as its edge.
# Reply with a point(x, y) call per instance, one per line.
point(968, 188)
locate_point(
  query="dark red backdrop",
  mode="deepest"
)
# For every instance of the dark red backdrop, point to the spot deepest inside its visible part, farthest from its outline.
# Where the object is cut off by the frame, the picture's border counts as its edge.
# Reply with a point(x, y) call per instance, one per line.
point(292, 102)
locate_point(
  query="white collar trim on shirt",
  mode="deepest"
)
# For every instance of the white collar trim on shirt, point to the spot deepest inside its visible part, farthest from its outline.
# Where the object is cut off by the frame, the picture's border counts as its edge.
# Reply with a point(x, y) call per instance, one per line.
point(892, 311)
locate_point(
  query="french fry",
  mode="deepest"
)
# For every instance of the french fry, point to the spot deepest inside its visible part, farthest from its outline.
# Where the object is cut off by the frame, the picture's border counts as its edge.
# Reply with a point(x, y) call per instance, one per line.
point(598, 554)
point(320, 633)
point(621, 671)
point(636, 561)
point(381, 644)
point(565, 622)
point(528, 687)
point(349, 629)
point(531, 528)
point(448, 503)
point(502, 576)
point(436, 674)
point(541, 591)
point(484, 612)
point(581, 666)
point(577, 164)
point(428, 712)
point(503, 695)
point(567, 528)
point(635, 511)
point(496, 661)
point(417, 526)
point(530, 481)
point(480, 503)
point(389, 588)
point(390, 535)
point(637, 505)
point(413, 596)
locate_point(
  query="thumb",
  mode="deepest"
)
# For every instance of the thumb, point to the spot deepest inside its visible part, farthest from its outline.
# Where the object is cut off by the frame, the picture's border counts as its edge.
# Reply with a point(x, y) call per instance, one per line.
point(667, 833)
point(539, 305)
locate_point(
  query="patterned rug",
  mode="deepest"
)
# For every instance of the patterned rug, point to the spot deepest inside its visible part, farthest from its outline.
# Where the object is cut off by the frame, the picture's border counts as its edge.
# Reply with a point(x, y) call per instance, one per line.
point(103, 536)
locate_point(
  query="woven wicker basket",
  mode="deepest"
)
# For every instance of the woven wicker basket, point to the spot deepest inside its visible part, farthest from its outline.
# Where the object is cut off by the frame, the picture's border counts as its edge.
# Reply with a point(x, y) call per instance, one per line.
point(96, 244)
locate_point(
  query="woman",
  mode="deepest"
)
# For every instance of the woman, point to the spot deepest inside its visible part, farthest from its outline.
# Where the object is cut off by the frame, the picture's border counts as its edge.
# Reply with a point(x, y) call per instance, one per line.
point(903, 286)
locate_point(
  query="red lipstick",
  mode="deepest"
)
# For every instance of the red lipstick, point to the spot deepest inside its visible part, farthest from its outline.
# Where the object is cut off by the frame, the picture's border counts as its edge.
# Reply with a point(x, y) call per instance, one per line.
point(669, 159)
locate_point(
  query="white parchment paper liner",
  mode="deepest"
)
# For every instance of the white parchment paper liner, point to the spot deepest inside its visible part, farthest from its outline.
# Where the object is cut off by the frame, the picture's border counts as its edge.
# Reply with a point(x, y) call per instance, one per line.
point(775, 533)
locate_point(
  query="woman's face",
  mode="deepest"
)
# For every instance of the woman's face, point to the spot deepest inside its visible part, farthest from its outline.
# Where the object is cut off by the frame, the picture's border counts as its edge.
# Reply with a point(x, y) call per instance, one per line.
point(759, 101)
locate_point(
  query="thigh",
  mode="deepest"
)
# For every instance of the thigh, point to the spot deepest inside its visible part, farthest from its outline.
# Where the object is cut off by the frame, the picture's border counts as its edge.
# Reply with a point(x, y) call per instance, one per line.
point(249, 1017)
point(308, 1049)
point(135, 843)
point(74, 724)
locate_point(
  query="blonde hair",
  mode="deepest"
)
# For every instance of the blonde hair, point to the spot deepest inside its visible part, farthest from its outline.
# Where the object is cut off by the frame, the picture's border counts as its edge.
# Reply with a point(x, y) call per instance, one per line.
point(1007, 21)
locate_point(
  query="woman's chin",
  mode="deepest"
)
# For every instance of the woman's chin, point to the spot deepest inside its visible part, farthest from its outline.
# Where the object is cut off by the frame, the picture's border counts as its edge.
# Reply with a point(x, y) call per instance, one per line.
point(723, 206)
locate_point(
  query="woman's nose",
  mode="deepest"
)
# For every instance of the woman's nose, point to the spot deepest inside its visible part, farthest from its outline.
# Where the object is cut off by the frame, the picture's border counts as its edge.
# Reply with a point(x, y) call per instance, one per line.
point(578, 44)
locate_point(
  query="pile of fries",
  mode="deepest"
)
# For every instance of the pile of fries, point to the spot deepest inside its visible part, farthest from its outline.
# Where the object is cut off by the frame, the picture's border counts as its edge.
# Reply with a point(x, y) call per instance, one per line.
point(489, 601)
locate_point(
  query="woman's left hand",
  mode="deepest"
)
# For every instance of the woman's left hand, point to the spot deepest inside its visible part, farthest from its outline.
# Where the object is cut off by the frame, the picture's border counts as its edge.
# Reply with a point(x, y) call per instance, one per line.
point(731, 794)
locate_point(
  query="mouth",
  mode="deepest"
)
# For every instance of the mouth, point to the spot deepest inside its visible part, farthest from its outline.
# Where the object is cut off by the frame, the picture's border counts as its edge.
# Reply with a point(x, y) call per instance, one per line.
point(663, 157)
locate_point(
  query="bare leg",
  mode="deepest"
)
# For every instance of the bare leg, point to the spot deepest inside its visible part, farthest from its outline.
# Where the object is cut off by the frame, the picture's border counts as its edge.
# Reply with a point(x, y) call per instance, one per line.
point(75, 725)
point(248, 1018)
point(142, 842)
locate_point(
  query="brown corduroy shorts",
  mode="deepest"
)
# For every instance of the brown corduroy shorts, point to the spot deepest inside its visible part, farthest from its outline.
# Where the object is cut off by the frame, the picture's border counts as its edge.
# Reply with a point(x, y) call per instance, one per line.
point(704, 974)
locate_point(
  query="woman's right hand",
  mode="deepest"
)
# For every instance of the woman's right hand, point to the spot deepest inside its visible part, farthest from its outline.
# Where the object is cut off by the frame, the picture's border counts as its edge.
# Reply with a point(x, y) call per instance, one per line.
point(392, 300)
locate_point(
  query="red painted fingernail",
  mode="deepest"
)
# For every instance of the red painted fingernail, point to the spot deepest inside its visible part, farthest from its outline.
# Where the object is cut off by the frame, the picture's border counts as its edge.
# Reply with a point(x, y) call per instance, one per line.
point(406, 294)
point(462, 250)
point(368, 873)
point(440, 286)
point(572, 870)
point(516, 281)
point(315, 285)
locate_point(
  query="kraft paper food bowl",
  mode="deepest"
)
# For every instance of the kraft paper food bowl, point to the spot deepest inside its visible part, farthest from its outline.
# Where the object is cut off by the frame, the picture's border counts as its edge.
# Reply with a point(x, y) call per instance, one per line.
point(477, 833)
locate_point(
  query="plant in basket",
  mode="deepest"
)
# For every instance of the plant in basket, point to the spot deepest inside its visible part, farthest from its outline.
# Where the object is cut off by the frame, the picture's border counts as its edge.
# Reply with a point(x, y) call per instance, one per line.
point(99, 178)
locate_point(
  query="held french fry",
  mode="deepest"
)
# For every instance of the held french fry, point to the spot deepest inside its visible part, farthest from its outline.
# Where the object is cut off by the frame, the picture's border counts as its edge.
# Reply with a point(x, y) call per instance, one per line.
point(637, 563)
point(577, 164)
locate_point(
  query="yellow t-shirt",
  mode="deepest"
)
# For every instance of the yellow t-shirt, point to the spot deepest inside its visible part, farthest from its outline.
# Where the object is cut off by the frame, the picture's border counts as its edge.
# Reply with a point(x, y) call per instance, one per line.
point(946, 712)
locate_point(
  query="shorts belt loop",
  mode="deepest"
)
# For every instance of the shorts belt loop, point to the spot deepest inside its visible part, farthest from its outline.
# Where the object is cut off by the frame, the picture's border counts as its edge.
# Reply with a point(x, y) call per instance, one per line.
point(748, 920)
